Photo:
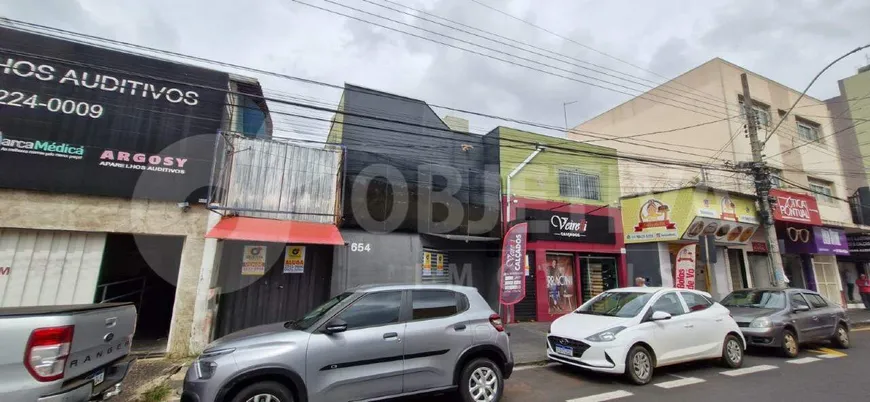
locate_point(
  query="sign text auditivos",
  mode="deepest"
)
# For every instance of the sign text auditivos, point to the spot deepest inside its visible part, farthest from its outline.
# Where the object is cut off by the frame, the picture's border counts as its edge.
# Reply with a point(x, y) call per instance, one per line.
point(96, 81)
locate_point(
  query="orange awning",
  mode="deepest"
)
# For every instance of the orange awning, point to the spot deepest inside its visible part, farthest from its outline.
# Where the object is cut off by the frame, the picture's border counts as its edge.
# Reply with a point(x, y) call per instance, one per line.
point(275, 231)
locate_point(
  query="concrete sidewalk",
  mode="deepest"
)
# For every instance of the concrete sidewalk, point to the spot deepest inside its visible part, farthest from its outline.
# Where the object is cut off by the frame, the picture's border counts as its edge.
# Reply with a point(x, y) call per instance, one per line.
point(529, 339)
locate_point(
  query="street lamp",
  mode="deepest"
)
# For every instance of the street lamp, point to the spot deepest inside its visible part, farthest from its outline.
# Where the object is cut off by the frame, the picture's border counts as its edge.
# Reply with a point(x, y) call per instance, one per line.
point(565, 111)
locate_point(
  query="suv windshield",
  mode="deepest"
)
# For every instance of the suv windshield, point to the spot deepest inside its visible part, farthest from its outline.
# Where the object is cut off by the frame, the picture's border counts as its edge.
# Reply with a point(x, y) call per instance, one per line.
point(755, 299)
point(318, 313)
point(616, 304)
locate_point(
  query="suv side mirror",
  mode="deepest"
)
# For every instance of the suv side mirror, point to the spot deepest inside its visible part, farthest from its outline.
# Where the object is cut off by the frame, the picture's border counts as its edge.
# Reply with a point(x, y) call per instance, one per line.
point(335, 326)
point(799, 309)
point(659, 316)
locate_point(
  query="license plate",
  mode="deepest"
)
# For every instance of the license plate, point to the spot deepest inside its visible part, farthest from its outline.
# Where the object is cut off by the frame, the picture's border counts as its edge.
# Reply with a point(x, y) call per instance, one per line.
point(564, 350)
point(99, 377)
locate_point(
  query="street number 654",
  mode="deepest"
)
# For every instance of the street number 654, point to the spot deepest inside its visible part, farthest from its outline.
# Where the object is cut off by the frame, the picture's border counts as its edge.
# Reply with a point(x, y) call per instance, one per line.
point(361, 247)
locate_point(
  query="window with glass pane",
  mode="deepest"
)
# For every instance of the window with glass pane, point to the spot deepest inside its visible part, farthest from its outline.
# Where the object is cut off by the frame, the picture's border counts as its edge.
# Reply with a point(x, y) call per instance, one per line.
point(775, 179)
point(428, 304)
point(816, 300)
point(669, 303)
point(575, 184)
point(822, 191)
point(373, 309)
point(808, 132)
point(762, 114)
point(696, 302)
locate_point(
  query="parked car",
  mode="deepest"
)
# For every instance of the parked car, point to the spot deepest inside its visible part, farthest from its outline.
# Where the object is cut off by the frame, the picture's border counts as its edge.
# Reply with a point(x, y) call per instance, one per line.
point(634, 330)
point(369, 343)
point(787, 318)
point(65, 353)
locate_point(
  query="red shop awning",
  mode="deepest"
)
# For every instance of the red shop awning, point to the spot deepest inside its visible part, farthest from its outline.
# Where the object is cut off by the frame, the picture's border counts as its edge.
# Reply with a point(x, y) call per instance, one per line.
point(275, 231)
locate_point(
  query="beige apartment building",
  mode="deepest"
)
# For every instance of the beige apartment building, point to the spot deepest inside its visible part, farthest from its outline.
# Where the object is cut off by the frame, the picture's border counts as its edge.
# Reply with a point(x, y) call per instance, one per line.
point(706, 102)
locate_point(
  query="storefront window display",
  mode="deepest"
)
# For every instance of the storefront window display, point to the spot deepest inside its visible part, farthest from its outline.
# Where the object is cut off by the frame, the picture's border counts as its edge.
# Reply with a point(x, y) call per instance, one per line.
point(560, 283)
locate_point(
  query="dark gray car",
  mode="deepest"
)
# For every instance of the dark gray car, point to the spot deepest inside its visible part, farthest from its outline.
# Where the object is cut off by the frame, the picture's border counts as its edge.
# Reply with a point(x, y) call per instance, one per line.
point(787, 318)
point(369, 343)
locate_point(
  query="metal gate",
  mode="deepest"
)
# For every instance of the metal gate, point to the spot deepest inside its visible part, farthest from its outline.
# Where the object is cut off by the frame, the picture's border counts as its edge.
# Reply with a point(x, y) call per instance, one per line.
point(276, 296)
point(828, 278)
point(43, 268)
point(527, 309)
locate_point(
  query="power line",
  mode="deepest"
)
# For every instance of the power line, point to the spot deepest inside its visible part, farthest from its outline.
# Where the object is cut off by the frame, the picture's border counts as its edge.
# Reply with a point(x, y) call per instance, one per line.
point(333, 86)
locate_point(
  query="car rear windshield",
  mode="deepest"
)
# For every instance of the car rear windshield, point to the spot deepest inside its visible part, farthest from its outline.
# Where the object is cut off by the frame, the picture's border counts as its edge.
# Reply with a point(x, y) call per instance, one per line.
point(755, 299)
point(616, 304)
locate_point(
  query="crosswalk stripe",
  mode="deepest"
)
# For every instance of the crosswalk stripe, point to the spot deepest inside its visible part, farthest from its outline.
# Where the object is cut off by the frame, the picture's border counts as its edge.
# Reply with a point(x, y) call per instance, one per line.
point(679, 383)
point(748, 370)
point(607, 396)
point(803, 360)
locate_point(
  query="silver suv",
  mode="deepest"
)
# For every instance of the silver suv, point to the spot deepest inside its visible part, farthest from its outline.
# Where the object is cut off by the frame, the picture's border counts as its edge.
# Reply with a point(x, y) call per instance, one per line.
point(369, 343)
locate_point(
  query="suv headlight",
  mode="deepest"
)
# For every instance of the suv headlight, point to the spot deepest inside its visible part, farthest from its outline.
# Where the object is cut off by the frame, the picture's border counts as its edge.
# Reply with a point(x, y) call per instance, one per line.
point(606, 336)
point(205, 369)
point(761, 322)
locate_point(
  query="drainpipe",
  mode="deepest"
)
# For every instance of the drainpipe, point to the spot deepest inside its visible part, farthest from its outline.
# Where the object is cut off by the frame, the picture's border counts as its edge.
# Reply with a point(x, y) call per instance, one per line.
point(507, 212)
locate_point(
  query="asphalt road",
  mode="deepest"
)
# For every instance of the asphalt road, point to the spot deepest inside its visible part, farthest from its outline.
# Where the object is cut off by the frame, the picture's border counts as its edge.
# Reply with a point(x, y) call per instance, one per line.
point(816, 375)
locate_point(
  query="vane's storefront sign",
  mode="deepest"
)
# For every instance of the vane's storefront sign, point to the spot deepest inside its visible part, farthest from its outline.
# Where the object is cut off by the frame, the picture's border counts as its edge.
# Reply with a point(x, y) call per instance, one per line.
point(574, 227)
point(796, 208)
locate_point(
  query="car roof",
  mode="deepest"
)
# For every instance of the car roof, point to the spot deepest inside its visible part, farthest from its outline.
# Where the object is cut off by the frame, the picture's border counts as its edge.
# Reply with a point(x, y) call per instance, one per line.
point(776, 290)
point(382, 287)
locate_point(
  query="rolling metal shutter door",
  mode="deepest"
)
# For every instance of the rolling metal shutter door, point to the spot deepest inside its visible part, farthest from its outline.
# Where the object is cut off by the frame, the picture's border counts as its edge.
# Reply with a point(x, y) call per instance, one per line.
point(527, 309)
point(43, 268)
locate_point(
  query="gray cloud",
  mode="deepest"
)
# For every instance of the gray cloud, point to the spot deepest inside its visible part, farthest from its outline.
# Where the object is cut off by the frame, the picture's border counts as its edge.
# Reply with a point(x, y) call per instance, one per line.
point(785, 40)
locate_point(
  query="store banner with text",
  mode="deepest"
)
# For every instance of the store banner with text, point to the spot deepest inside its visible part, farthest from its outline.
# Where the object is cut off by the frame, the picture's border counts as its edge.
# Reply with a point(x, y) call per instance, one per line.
point(512, 280)
point(82, 119)
point(564, 226)
point(684, 277)
point(796, 208)
point(254, 261)
point(294, 260)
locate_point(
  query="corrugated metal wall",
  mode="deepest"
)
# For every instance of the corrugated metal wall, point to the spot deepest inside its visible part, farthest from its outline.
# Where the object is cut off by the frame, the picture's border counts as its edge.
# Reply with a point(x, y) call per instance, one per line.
point(288, 181)
point(49, 267)
point(275, 296)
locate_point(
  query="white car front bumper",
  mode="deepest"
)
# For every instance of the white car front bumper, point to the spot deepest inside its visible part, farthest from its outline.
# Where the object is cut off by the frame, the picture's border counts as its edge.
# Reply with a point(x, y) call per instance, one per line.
point(605, 357)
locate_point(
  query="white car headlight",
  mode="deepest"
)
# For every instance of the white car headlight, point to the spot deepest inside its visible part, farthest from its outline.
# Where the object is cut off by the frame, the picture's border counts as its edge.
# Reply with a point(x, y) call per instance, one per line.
point(761, 322)
point(605, 336)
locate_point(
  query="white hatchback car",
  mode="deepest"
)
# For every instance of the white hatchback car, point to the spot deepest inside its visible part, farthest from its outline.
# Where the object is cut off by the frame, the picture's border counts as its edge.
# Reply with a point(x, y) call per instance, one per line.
point(634, 330)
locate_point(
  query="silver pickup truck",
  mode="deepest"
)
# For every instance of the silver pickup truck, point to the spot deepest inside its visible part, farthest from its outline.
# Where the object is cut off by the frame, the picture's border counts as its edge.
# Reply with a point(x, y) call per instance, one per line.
point(65, 353)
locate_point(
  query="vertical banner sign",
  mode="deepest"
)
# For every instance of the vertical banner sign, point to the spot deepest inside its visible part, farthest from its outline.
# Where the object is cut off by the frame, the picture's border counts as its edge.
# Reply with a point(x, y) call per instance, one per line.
point(427, 263)
point(254, 261)
point(440, 263)
point(294, 260)
point(512, 282)
point(685, 275)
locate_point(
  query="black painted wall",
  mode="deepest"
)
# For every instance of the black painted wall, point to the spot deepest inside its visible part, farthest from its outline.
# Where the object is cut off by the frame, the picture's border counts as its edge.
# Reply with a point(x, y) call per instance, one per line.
point(406, 134)
point(643, 260)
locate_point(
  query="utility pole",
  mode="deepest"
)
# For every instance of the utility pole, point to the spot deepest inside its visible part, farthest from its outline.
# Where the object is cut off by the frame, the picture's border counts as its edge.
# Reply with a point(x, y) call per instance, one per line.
point(762, 187)
point(565, 112)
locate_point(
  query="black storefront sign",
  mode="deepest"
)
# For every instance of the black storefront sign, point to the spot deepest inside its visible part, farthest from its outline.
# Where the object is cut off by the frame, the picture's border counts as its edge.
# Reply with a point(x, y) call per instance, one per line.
point(561, 226)
point(80, 119)
point(858, 243)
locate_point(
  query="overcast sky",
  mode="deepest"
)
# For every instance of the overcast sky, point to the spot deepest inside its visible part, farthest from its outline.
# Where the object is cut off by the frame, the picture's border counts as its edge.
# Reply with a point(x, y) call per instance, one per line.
point(786, 40)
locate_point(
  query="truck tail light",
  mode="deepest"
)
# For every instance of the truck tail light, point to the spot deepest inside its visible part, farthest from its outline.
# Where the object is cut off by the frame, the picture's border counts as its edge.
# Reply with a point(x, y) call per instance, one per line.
point(495, 320)
point(47, 351)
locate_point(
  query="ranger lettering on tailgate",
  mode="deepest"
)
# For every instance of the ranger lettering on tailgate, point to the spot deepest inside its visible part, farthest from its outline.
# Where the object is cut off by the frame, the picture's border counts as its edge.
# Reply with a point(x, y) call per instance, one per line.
point(112, 349)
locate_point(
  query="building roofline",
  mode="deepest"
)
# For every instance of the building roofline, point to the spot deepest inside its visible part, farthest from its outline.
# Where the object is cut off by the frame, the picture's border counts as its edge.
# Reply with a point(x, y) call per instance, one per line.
point(696, 187)
point(371, 91)
point(668, 82)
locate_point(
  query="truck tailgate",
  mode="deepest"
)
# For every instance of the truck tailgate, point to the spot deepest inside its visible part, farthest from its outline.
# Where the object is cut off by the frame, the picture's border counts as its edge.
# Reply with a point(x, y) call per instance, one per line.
point(100, 336)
